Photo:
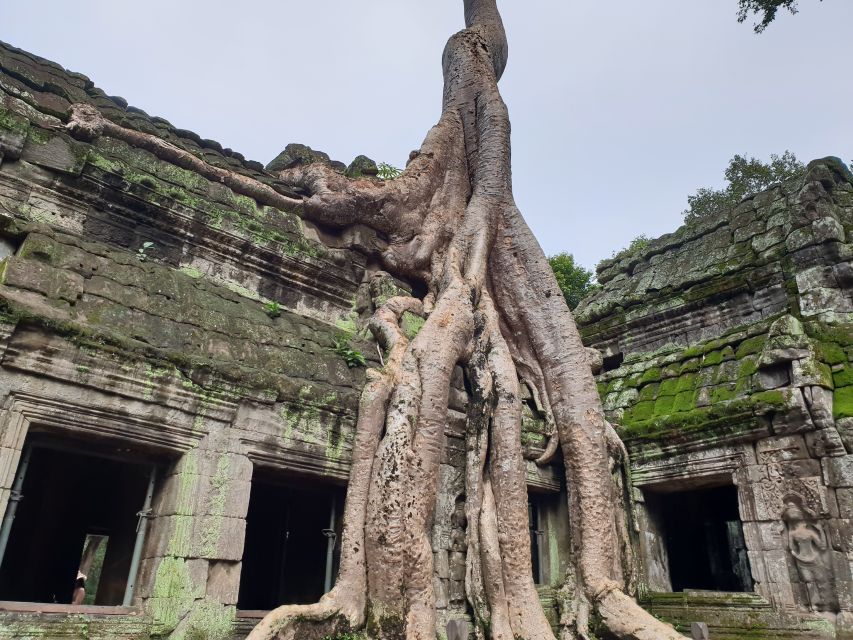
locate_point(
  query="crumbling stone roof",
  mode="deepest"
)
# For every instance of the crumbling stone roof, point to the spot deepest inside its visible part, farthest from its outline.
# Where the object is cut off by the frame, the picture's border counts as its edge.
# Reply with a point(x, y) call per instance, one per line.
point(50, 90)
point(735, 326)
point(731, 269)
point(119, 250)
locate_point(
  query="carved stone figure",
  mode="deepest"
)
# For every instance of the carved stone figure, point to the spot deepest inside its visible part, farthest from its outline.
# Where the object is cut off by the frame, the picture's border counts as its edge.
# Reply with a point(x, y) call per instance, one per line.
point(807, 543)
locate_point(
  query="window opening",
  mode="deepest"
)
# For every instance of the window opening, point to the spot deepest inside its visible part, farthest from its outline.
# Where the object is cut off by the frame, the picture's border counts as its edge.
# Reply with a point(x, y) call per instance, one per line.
point(291, 553)
point(704, 539)
point(89, 571)
point(612, 362)
point(535, 538)
point(74, 527)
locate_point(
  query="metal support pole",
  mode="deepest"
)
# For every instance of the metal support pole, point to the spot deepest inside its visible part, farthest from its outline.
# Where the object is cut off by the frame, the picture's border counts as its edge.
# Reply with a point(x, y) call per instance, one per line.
point(330, 548)
point(141, 528)
point(15, 498)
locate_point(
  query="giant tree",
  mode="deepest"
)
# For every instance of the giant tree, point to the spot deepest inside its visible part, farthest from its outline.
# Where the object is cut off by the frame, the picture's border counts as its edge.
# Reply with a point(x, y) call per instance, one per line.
point(492, 305)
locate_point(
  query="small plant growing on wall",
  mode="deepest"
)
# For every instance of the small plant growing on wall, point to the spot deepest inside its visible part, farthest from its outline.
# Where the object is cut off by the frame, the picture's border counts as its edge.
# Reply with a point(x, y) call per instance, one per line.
point(142, 252)
point(388, 172)
point(273, 309)
point(351, 356)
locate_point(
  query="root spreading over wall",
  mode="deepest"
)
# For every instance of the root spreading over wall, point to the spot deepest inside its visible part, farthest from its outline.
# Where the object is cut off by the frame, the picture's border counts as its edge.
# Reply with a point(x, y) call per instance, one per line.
point(493, 306)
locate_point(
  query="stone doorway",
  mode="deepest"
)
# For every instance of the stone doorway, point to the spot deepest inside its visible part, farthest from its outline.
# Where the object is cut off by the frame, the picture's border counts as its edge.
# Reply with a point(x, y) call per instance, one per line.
point(72, 537)
point(291, 553)
point(703, 538)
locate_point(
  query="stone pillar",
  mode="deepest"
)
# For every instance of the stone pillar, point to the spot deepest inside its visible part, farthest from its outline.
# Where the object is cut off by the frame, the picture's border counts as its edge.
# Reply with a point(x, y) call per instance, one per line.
point(191, 571)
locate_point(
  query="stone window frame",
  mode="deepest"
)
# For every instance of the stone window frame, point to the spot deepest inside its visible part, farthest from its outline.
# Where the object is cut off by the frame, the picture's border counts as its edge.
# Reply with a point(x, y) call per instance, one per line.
point(727, 463)
point(23, 411)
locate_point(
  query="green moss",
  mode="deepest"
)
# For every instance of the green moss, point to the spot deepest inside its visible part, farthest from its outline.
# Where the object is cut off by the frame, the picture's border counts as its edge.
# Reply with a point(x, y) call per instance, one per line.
point(650, 375)
point(844, 377)
point(712, 358)
point(684, 401)
point(830, 353)
point(693, 352)
point(840, 333)
point(640, 411)
point(669, 387)
point(747, 368)
point(843, 403)
point(10, 121)
point(750, 346)
point(411, 324)
point(173, 595)
point(690, 365)
point(723, 393)
point(686, 382)
point(208, 620)
point(192, 272)
point(212, 525)
point(649, 392)
point(735, 414)
point(663, 405)
point(633, 381)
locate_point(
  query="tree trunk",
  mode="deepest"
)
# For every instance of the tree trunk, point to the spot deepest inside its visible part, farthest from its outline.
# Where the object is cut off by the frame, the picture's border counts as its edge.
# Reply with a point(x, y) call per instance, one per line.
point(493, 306)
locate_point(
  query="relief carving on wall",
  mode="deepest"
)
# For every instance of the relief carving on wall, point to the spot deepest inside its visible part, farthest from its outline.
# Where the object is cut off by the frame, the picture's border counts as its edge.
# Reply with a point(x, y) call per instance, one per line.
point(781, 480)
point(809, 547)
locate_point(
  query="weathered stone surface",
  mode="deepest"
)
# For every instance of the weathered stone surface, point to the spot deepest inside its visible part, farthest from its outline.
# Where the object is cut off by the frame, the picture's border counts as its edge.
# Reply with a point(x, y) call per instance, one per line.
point(736, 332)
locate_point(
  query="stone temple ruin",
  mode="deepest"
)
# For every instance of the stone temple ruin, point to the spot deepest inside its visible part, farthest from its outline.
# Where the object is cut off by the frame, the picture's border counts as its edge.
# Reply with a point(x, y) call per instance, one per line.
point(179, 387)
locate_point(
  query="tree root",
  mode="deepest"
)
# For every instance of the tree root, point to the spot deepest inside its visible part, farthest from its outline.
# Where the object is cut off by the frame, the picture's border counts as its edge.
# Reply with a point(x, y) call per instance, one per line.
point(492, 304)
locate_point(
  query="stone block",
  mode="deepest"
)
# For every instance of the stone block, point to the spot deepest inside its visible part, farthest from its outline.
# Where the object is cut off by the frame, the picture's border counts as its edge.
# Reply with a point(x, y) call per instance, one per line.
point(782, 595)
point(781, 449)
point(778, 569)
point(164, 536)
point(757, 566)
point(827, 229)
point(844, 591)
point(772, 535)
point(699, 631)
point(457, 565)
point(824, 443)
point(457, 590)
point(844, 626)
point(196, 569)
point(441, 597)
point(56, 284)
point(819, 401)
point(442, 564)
point(838, 471)
point(218, 538)
point(58, 153)
point(774, 377)
point(223, 581)
point(841, 534)
point(845, 502)
point(9, 459)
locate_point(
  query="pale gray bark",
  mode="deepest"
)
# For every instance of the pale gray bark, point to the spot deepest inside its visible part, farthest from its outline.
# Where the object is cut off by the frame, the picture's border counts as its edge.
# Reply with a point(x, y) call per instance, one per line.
point(493, 305)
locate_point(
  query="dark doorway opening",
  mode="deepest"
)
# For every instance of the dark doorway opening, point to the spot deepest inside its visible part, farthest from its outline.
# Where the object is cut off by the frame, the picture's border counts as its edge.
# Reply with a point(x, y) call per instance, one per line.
point(291, 553)
point(704, 539)
point(73, 535)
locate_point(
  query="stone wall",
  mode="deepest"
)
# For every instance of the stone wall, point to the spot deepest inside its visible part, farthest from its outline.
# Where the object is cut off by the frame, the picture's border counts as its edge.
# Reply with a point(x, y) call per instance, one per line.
point(728, 353)
point(146, 308)
point(149, 311)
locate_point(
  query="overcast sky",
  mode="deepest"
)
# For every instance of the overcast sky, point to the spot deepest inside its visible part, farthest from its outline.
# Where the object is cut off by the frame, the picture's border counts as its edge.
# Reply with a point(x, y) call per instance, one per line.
point(620, 108)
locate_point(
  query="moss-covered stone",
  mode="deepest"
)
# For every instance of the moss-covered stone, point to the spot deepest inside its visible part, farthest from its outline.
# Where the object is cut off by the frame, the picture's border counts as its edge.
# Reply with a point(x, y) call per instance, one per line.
point(843, 403)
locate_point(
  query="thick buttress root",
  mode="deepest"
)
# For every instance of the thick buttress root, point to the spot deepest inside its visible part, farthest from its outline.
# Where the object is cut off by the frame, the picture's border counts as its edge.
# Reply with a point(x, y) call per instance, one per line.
point(493, 306)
